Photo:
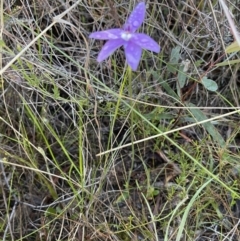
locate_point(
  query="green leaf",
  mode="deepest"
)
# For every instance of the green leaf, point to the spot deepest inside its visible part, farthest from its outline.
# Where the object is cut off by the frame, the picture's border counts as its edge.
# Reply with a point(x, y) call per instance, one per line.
point(56, 91)
point(122, 198)
point(182, 76)
point(230, 62)
point(175, 55)
point(234, 47)
point(174, 59)
point(199, 116)
point(165, 85)
point(198, 63)
point(50, 211)
point(209, 84)
point(2, 43)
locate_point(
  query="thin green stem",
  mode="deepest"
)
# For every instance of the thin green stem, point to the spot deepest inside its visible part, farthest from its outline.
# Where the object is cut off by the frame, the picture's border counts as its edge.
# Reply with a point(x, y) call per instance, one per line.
point(132, 103)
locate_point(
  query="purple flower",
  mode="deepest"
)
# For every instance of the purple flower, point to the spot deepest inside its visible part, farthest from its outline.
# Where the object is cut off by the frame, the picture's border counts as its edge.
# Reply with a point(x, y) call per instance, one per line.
point(132, 42)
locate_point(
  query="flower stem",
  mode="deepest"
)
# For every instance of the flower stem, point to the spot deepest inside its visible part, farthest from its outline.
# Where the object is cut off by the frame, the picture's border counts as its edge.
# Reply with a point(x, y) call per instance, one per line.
point(132, 103)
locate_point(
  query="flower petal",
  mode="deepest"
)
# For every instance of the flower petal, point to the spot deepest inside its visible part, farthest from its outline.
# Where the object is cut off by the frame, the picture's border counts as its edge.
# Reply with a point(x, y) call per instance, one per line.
point(114, 33)
point(109, 47)
point(136, 18)
point(133, 54)
point(145, 42)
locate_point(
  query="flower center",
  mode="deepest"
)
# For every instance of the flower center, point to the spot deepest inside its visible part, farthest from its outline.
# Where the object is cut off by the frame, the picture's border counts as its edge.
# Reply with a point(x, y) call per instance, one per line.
point(126, 36)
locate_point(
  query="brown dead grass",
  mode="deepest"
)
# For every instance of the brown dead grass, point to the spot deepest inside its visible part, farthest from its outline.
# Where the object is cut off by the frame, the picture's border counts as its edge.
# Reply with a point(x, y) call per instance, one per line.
point(51, 123)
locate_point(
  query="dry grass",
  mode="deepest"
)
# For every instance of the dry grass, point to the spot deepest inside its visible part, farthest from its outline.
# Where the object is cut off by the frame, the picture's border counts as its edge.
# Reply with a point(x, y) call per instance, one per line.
point(60, 110)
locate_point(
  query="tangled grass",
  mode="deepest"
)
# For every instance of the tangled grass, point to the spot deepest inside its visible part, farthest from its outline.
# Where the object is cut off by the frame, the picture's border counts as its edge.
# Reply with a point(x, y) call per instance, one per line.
point(93, 151)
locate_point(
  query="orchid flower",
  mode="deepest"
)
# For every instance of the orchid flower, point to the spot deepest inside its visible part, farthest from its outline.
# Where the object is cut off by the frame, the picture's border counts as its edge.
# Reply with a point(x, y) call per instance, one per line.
point(127, 37)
